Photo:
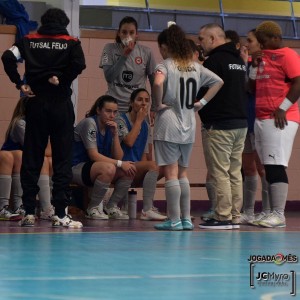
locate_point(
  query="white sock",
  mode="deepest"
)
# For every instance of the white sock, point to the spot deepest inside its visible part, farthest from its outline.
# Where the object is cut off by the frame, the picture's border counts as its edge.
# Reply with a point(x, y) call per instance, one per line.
point(249, 189)
point(5, 187)
point(44, 193)
point(265, 195)
point(98, 192)
point(279, 192)
point(16, 190)
point(149, 186)
point(120, 190)
point(185, 198)
point(173, 192)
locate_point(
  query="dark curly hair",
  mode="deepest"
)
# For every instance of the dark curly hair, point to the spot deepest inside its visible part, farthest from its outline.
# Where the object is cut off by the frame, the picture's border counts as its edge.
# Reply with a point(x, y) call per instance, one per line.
point(55, 16)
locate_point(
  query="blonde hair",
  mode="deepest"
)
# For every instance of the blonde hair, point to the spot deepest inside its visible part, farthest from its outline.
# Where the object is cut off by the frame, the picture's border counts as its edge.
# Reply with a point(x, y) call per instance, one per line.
point(269, 28)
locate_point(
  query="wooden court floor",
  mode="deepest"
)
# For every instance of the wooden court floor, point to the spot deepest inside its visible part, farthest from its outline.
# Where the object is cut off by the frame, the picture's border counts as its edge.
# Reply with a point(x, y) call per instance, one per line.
point(125, 260)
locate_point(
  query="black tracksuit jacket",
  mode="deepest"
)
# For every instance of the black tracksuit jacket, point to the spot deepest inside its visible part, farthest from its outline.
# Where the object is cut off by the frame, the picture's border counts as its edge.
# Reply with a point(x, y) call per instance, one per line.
point(50, 51)
point(228, 109)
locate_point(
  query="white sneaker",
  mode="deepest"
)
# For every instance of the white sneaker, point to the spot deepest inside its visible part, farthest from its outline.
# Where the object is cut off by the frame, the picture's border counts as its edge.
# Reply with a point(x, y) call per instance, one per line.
point(27, 221)
point(20, 211)
point(152, 215)
point(246, 219)
point(66, 221)
point(6, 215)
point(115, 213)
point(273, 220)
point(47, 214)
point(96, 213)
point(258, 217)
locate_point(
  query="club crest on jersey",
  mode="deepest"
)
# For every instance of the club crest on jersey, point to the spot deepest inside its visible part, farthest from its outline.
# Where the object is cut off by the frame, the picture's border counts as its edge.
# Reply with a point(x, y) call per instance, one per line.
point(92, 134)
point(127, 76)
point(138, 60)
point(273, 57)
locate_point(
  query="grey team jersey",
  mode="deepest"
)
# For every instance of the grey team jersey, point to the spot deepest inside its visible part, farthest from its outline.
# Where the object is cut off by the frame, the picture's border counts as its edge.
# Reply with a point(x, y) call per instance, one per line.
point(177, 124)
point(17, 133)
point(132, 73)
point(85, 131)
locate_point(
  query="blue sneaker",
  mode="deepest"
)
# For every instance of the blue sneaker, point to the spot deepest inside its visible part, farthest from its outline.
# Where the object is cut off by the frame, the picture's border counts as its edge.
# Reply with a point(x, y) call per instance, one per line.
point(169, 225)
point(187, 224)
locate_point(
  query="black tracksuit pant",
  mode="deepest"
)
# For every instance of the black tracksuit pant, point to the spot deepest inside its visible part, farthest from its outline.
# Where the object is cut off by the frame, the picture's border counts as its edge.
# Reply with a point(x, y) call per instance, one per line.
point(48, 116)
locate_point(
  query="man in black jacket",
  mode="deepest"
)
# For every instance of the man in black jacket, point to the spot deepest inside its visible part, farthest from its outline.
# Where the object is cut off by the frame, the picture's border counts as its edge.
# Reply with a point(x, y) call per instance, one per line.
point(224, 121)
point(53, 59)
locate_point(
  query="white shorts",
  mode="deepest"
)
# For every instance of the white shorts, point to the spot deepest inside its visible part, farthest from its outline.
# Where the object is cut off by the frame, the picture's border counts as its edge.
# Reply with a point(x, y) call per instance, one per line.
point(273, 145)
point(167, 153)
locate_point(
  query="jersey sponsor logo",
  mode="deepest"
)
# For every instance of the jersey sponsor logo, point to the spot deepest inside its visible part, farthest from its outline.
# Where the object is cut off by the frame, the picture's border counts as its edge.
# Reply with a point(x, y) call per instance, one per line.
point(91, 134)
point(127, 86)
point(48, 45)
point(261, 69)
point(237, 67)
point(127, 76)
point(105, 58)
point(138, 60)
point(261, 66)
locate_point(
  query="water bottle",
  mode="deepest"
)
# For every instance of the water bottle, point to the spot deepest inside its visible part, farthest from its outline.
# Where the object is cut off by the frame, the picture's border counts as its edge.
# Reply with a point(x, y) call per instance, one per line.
point(132, 198)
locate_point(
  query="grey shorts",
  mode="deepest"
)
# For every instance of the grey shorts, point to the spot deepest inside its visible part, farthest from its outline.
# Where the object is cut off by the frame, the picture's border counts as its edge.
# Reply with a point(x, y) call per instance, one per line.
point(167, 153)
point(81, 173)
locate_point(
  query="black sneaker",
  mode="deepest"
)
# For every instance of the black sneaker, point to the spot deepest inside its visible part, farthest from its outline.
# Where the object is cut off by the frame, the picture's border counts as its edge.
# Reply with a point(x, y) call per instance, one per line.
point(216, 224)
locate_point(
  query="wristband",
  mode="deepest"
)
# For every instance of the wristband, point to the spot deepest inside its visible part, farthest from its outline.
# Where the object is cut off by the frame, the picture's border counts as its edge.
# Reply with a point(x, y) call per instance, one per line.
point(252, 72)
point(203, 101)
point(285, 104)
point(119, 163)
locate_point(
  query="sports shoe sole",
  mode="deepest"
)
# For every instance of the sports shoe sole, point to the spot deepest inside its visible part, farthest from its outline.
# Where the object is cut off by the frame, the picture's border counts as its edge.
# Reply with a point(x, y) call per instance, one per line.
point(217, 227)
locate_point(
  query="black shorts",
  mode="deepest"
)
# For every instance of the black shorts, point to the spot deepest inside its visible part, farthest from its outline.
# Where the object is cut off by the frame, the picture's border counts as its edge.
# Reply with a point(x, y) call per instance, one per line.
point(86, 173)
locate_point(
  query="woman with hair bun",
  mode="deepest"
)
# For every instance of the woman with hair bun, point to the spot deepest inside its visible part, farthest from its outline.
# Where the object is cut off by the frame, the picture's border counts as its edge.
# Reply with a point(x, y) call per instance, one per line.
point(178, 78)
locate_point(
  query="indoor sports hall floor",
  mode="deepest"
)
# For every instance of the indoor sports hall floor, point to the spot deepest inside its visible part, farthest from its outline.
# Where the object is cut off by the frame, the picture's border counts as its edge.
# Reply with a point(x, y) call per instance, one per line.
point(128, 260)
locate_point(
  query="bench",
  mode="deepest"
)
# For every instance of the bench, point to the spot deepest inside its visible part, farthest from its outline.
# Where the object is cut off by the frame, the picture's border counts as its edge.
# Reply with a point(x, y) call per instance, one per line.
point(80, 194)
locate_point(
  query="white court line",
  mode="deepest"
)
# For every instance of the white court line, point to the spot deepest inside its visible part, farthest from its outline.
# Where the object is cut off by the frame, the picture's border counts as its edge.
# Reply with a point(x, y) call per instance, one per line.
point(74, 278)
point(70, 278)
point(271, 295)
point(196, 275)
point(49, 297)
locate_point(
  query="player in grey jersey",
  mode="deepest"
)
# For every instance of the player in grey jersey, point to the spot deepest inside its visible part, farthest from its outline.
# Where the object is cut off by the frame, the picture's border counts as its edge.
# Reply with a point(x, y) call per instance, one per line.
point(126, 64)
point(177, 80)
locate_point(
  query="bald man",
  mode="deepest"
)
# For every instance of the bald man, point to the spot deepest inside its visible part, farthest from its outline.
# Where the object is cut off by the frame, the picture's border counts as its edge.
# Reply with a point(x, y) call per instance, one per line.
point(224, 121)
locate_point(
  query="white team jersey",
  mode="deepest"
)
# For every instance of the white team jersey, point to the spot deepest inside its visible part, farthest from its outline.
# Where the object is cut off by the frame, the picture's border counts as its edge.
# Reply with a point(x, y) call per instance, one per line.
point(133, 73)
point(177, 124)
